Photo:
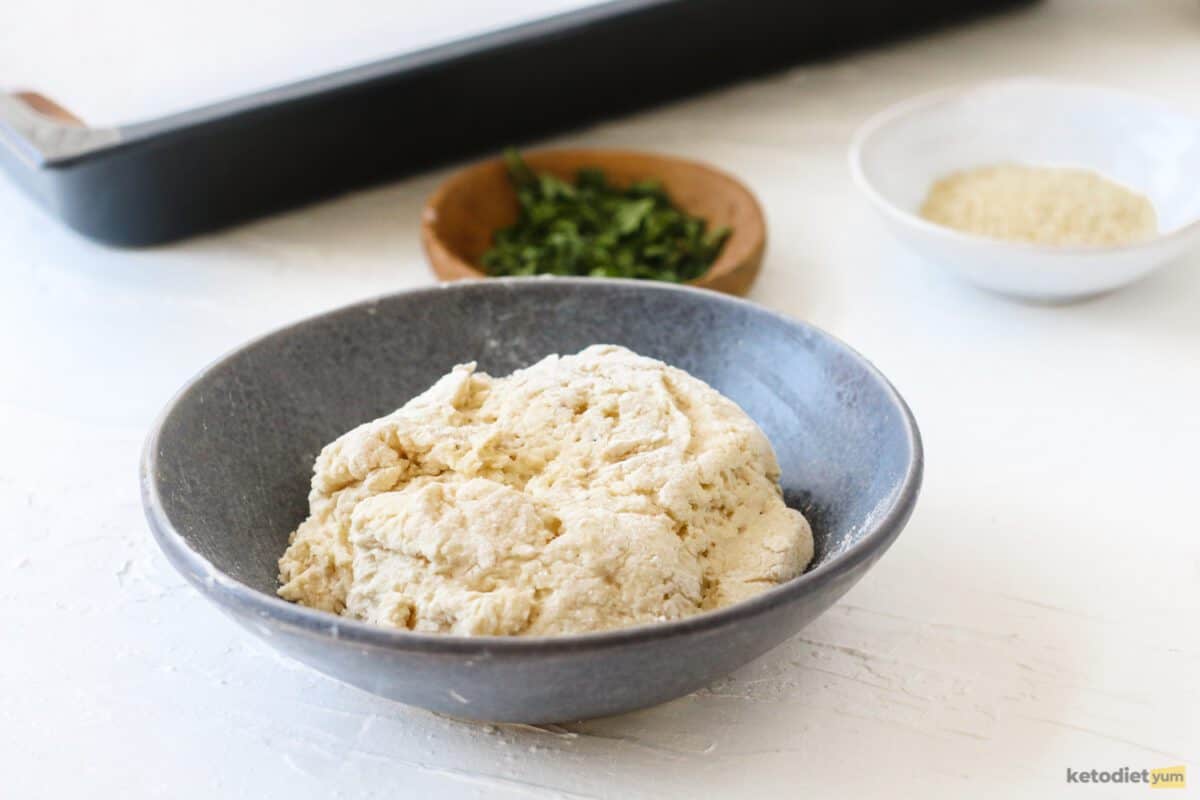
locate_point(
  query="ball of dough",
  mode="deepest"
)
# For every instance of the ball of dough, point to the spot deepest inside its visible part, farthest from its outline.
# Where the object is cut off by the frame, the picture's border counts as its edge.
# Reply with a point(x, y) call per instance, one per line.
point(584, 493)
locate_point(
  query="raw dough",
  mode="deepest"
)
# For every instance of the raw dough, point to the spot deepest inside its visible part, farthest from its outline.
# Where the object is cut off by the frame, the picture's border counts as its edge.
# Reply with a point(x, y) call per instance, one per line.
point(584, 493)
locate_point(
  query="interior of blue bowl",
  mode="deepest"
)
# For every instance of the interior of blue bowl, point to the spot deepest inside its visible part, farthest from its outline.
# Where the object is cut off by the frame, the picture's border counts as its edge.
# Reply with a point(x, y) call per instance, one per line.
point(234, 452)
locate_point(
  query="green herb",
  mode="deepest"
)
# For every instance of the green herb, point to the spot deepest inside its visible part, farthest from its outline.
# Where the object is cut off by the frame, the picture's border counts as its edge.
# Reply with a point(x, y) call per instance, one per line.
point(593, 228)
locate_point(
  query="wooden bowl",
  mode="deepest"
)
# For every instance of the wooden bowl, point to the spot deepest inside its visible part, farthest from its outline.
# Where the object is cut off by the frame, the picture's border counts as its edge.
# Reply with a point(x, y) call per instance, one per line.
point(462, 215)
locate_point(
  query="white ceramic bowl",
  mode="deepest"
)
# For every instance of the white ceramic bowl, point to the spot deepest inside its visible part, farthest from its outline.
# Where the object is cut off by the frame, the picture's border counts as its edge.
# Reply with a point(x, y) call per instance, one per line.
point(898, 154)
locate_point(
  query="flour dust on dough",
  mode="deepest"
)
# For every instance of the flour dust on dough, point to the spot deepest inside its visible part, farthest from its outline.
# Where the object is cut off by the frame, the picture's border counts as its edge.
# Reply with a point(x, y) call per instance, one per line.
point(584, 493)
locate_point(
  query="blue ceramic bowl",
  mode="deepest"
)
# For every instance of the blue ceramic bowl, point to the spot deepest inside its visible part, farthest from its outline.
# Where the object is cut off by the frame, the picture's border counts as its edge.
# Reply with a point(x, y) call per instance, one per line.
point(226, 471)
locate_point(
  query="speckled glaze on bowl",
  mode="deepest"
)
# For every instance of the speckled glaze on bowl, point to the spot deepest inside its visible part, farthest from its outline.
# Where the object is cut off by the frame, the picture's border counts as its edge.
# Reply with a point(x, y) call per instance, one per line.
point(226, 470)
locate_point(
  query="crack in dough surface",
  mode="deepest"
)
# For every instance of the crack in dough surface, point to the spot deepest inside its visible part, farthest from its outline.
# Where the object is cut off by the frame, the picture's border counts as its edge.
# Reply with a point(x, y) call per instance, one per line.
point(584, 493)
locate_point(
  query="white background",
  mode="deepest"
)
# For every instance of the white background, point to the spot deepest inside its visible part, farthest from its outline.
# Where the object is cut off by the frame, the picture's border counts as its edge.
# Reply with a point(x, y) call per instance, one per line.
point(1040, 612)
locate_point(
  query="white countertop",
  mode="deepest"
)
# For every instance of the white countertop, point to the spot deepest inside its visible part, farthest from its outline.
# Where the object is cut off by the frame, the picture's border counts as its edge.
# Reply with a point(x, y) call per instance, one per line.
point(1039, 612)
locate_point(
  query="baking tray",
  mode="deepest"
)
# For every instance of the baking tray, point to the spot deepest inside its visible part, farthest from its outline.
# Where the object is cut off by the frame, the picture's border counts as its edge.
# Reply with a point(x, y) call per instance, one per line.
point(182, 174)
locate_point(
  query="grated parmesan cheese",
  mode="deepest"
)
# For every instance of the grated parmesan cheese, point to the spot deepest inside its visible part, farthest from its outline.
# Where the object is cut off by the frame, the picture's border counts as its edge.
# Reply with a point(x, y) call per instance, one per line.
point(1040, 205)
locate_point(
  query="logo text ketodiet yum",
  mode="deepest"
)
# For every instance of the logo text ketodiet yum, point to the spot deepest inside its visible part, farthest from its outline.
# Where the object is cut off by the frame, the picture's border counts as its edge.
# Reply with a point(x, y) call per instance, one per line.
point(1169, 777)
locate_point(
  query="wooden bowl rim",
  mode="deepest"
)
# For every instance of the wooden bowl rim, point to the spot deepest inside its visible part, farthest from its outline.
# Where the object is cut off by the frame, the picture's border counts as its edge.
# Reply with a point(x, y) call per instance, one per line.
point(739, 251)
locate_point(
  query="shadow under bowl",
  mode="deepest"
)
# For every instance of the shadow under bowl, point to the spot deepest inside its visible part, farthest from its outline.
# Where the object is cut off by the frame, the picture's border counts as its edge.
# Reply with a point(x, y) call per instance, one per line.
point(226, 471)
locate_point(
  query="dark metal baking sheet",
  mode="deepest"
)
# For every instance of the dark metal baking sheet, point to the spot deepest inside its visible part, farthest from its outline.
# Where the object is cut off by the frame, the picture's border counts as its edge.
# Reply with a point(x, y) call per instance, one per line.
point(182, 174)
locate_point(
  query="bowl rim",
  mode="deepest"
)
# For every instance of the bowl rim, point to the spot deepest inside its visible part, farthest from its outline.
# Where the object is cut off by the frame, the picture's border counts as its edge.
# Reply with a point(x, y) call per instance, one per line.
point(721, 268)
point(923, 102)
point(881, 528)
